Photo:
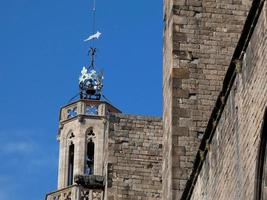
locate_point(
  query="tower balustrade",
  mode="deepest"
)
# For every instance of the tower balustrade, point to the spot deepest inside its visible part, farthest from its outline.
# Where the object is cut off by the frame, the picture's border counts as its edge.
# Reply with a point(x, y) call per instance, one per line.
point(86, 107)
point(76, 192)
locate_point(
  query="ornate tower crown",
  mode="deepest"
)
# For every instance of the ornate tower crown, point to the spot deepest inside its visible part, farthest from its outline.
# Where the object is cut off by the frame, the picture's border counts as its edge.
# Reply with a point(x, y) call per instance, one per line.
point(91, 82)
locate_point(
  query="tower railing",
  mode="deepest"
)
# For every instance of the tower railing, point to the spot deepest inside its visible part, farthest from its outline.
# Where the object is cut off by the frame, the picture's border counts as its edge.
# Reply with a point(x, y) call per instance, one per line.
point(87, 108)
point(76, 192)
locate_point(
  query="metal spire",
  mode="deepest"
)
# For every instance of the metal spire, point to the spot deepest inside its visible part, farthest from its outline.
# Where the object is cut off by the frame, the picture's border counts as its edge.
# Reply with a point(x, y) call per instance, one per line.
point(91, 82)
point(92, 53)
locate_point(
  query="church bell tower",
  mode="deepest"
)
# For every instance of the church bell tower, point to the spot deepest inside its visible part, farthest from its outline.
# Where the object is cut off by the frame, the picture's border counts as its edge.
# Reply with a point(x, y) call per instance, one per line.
point(82, 136)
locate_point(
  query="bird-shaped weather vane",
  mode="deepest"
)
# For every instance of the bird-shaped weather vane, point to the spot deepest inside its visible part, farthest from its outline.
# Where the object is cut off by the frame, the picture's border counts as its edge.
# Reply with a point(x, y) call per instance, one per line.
point(91, 82)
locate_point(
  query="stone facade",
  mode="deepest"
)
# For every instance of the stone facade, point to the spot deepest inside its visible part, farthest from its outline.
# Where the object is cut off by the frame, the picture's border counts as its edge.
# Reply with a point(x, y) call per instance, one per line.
point(230, 168)
point(199, 40)
point(134, 157)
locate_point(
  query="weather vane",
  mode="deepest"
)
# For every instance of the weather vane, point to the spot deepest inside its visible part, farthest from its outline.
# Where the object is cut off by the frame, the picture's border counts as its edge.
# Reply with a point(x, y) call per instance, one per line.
point(91, 82)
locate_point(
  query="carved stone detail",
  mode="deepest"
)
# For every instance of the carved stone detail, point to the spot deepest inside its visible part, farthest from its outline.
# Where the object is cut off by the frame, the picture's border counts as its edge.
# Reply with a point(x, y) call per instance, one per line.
point(67, 196)
point(91, 181)
point(85, 194)
point(97, 195)
point(62, 195)
point(82, 193)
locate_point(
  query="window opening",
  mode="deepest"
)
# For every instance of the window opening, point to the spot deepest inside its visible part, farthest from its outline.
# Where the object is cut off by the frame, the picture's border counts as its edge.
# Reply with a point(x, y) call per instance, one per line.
point(71, 164)
point(90, 158)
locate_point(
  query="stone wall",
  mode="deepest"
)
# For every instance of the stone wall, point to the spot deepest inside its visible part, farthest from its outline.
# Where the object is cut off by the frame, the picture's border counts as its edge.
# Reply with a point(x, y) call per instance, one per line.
point(229, 171)
point(134, 157)
point(199, 39)
point(167, 103)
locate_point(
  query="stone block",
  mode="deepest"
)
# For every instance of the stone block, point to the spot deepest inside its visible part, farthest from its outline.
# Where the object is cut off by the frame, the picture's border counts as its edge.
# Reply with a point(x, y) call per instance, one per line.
point(179, 19)
point(180, 112)
point(180, 93)
point(178, 150)
point(180, 73)
point(183, 55)
point(180, 131)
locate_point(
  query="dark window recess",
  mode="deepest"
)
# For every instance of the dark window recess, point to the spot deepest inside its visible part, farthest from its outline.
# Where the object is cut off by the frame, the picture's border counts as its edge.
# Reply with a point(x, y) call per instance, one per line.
point(110, 172)
point(89, 168)
point(71, 164)
point(90, 132)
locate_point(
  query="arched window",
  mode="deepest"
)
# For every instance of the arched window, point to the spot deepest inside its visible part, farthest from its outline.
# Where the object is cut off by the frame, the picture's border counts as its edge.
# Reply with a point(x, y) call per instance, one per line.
point(71, 164)
point(90, 158)
point(90, 152)
point(261, 176)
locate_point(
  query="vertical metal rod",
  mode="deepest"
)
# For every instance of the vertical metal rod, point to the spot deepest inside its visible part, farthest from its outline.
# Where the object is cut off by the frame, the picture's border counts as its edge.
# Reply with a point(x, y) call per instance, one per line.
point(92, 57)
point(94, 15)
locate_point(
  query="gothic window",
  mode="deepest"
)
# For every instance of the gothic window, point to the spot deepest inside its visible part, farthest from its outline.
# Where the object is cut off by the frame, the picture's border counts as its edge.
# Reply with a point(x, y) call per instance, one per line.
point(261, 176)
point(90, 152)
point(71, 164)
point(90, 158)
point(90, 133)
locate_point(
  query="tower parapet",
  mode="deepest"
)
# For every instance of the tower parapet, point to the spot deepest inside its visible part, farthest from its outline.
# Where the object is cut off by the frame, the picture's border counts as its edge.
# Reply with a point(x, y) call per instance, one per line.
point(76, 192)
point(85, 108)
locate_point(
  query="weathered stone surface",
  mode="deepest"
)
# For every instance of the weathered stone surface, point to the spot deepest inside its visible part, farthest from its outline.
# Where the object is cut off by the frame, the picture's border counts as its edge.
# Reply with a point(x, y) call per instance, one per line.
point(229, 171)
point(180, 73)
point(135, 156)
point(199, 41)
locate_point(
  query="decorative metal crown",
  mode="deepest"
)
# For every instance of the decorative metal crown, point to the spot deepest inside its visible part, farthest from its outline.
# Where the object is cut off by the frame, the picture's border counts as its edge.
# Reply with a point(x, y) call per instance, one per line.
point(91, 84)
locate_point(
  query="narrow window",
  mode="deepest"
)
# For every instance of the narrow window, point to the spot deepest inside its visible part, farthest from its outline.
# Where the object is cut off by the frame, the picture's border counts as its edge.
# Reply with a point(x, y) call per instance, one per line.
point(89, 168)
point(71, 164)
point(261, 176)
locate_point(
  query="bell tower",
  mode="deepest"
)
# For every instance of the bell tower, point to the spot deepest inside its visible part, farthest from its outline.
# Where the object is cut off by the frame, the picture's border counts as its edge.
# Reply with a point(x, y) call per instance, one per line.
point(83, 137)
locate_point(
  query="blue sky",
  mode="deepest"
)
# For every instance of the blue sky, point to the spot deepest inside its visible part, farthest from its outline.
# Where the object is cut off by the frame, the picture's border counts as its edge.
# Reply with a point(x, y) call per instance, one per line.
point(41, 55)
